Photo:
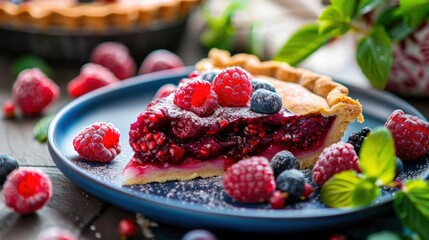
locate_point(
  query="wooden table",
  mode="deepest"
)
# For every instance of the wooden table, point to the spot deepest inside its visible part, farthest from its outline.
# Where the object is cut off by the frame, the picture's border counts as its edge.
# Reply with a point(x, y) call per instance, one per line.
point(75, 209)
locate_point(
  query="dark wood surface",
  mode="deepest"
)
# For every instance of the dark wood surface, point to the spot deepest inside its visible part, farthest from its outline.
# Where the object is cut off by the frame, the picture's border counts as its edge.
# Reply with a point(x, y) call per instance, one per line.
point(76, 210)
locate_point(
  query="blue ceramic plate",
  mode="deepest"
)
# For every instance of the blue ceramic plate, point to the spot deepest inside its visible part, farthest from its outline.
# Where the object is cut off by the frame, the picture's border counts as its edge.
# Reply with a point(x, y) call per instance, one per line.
point(199, 203)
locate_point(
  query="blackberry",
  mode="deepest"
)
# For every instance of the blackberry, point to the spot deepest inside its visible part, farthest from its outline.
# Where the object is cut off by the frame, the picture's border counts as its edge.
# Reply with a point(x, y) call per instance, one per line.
point(282, 161)
point(357, 138)
point(399, 167)
point(262, 84)
point(265, 101)
point(292, 182)
point(7, 165)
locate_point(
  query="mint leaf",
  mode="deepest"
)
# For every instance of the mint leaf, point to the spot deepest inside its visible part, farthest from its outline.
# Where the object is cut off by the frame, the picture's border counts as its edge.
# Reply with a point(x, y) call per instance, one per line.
point(346, 7)
point(40, 130)
point(366, 6)
point(415, 11)
point(331, 19)
point(377, 157)
point(30, 61)
point(412, 206)
point(374, 56)
point(301, 44)
point(393, 21)
point(384, 235)
point(347, 189)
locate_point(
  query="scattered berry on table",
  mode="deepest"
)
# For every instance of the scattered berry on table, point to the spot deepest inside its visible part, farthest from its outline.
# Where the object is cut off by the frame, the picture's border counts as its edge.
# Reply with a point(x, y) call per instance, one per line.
point(33, 91)
point(233, 87)
point(265, 101)
point(291, 182)
point(399, 167)
point(197, 96)
point(199, 234)
point(27, 190)
point(160, 60)
point(7, 165)
point(250, 180)
point(411, 135)
point(262, 84)
point(9, 109)
point(165, 90)
point(98, 142)
point(127, 228)
point(91, 77)
point(56, 233)
point(277, 200)
point(308, 190)
point(357, 138)
point(283, 160)
point(334, 159)
point(210, 75)
point(116, 57)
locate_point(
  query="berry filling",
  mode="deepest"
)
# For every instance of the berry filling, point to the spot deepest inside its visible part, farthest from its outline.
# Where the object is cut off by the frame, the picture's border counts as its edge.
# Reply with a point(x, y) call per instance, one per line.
point(164, 134)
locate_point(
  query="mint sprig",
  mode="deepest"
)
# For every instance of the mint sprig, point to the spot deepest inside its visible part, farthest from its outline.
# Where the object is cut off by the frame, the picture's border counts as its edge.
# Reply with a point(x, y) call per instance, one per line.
point(40, 130)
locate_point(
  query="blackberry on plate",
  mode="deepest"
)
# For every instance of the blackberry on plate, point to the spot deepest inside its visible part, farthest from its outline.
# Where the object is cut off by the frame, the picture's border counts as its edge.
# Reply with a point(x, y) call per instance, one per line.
point(262, 84)
point(357, 138)
point(265, 101)
point(292, 182)
point(282, 161)
point(399, 167)
point(7, 165)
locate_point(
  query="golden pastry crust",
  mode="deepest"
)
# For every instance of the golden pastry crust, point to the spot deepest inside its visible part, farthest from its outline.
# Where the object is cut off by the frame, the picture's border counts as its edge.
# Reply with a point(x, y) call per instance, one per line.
point(303, 92)
point(71, 15)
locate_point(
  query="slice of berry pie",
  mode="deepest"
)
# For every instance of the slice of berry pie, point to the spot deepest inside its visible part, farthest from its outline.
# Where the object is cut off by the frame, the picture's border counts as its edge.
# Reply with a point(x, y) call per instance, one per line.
point(236, 107)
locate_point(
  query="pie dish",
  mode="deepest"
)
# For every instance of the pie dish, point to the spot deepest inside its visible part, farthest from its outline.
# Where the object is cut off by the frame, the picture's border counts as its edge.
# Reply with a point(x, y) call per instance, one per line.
point(316, 112)
point(73, 15)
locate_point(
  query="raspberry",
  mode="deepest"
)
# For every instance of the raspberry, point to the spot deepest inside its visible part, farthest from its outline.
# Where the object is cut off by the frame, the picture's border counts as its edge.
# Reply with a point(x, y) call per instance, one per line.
point(55, 233)
point(233, 87)
point(91, 77)
point(411, 135)
point(194, 74)
point(196, 96)
point(250, 180)
point(160, 60)
point(282, 161)
point(334, 159)
point(292, 182)
point(7, 165)
point(114, 56)
point(33, 91)
point(127, 228)
point(265, 101)
point(308, 190)
point(27, 190)
point(357, 138)
point(277, 200)
point(98, 142)
point(165, 90)
point(9, 109)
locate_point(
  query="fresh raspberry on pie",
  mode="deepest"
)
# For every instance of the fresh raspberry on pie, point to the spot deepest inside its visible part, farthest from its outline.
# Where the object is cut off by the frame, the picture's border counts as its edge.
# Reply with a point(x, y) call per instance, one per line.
point(116, 57)
point(27, 190)
point(98, 142)
point(33, 91)
point(334, 159)
point(250, 180)
point(91, 77)
point(197, 96)
point(410, 133)
point(233, 86)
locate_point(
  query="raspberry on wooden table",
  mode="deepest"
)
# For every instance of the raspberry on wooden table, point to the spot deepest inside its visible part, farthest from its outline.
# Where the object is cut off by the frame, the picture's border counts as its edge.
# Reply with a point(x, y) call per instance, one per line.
point(56, 233)
point(27, 190)
point(9, 109)
point(410, 133)
point(233, 86)
point(127, 228)
point(98, 142)
point(250, 180)
point(160, 60)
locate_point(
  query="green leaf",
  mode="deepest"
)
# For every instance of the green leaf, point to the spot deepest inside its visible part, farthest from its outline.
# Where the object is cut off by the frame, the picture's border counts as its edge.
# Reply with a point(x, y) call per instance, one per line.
point(347, 189)
point(331, 19)
point(394, 23)
point(374, 56)
point(377, 157)
point(412, 206)
point(415, 11)
point(346, 7)
point(366, 6)
point(40, 130)
point(384, 235)
point(30, 61)
point(302, 44)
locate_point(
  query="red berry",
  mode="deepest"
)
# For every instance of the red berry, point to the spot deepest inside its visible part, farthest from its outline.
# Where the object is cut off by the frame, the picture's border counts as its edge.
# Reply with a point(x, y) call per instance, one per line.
point(250, 180)
point(334, 159)
point(411, 135)
point(98, 142)
point(165, 90)
point(9, 109)
point(160, 60)
point(127, 228)
point(194, 74)
point(116, 57)
point(27, 190)
point(277, 200)
point(91, 77)
point(33, 91)
point(233, 86)
point(196, 96)
point(308, 190)
point(55, 233)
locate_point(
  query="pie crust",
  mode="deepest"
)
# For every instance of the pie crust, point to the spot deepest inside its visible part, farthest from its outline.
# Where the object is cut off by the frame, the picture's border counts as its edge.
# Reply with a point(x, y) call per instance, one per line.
point(71, 15)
